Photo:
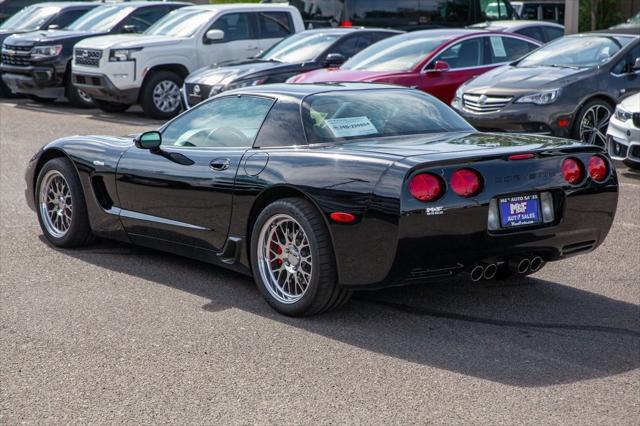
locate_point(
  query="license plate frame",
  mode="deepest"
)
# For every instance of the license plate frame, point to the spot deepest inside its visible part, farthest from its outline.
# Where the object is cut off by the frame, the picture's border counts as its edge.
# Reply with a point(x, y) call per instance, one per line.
point(520, 211)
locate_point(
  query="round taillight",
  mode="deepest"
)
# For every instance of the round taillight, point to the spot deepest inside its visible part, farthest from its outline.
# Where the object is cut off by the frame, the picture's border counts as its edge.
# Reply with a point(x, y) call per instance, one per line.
point(572, 170)
point(466, 182)
point(426, 187)
point(598, 169)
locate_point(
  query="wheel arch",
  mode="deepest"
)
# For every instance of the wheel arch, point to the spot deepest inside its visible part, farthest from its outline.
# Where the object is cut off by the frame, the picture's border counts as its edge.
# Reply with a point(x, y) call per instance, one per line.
point(595, 96)
point(46, 156)
point(181, 70)
point(276, 193)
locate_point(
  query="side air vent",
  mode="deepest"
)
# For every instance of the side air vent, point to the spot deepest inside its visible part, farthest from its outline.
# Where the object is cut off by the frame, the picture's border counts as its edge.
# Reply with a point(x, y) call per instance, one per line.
point(101, 193)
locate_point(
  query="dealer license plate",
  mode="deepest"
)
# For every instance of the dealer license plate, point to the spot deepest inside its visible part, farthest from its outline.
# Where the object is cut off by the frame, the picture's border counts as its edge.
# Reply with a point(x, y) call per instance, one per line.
point(519, 210)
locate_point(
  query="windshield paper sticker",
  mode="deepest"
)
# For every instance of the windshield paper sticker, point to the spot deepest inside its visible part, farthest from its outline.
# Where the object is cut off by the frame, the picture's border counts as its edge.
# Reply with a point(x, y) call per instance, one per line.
point(498, 47)
point(351, 126)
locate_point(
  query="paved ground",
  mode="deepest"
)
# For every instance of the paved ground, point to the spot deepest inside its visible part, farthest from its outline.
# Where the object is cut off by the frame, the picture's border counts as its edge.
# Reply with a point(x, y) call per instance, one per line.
point(114, 333)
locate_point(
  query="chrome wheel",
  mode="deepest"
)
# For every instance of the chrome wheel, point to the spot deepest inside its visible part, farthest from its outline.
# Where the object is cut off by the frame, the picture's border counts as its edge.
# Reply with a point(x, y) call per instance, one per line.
point(593, 127)
point(83, 95)
point(166, 96)
point(284, 258)
point(56, 205)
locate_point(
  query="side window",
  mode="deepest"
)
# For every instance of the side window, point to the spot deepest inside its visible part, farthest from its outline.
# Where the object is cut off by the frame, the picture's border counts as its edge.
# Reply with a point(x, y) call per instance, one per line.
point(624, 65)
point(235, 26)
point(144, 17)
point(64, 19)
point(275, 24)
point(231, 121)
point(553, 33)
point(349, 46)
point(533, 32)
point(465, 54)
point(507, 49)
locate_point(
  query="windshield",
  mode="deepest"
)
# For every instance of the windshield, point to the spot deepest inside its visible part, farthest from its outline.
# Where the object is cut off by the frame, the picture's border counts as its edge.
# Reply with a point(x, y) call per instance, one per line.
point(180, 23)
point(338, 116)
point(101, 19)
point(30, 18)
point(634, 19)
point(300, 47)
point(399, 53)
point(576, 52)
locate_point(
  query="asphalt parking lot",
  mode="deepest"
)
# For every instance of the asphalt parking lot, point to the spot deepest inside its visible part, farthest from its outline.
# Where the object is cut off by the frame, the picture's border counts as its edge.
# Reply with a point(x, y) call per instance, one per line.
point(118, 334)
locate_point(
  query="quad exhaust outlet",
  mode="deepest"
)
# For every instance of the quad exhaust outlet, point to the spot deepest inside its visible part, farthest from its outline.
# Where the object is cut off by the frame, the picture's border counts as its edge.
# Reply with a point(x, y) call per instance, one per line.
point(520, 265)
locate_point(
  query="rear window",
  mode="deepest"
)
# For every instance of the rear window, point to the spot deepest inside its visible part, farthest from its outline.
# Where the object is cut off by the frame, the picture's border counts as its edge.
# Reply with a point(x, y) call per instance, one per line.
point(340, 116)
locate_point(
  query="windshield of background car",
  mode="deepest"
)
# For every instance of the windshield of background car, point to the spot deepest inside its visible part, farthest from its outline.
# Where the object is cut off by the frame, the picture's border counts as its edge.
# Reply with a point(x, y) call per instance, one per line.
point(181, 23)
point(339, 116)
point(30, 18)
point(101, 19)
point(300, 47)
point(398, 53)
point(576, 51)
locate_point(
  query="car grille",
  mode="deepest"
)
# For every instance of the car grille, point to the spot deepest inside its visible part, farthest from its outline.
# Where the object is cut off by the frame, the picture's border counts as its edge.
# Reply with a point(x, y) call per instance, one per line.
point(196, 95)
point(17, 56)
point(88, 57)
point(636, 119)
point(484, 103)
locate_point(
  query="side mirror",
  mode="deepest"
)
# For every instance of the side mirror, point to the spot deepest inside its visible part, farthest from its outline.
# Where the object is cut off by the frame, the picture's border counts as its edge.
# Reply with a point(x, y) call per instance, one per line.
point(149, 140)
point(334, 60)
point(129, 29)
point(53, 27)
point(636, 65)
point(214, 35)
point(441, 66)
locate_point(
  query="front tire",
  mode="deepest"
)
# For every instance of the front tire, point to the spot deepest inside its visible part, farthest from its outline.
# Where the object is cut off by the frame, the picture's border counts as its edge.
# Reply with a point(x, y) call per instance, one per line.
point(111, 107)
point(61, 207)
point(592, 122)
point(161, 95)
point(292, 259)
point(78, 98)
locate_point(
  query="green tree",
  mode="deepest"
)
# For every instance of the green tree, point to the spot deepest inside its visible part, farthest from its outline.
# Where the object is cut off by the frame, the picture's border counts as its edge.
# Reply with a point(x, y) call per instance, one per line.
point(599, 14)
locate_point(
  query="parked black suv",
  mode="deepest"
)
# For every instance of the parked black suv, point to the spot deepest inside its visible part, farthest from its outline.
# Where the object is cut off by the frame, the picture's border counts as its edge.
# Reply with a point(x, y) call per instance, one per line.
point(405, 15)
point(38, 63)
point(41, 16)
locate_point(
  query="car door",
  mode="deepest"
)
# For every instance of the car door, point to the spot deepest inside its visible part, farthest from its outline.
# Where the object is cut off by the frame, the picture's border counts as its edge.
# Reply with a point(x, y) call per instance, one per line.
point(273, 27)
point(182, 194)
point(239, 42)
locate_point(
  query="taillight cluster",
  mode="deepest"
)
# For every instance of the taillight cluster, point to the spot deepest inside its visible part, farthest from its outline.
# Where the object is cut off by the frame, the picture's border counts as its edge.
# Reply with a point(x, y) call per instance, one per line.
point(573, 169)
point(429, 187)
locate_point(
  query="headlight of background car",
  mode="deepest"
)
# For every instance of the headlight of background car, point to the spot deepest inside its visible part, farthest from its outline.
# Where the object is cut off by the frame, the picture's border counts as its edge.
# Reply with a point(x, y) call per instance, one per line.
point(122, 55)
point(622, 114)
point(457, 98)
point(46, 51)
point(245, 83)
point(542, 98)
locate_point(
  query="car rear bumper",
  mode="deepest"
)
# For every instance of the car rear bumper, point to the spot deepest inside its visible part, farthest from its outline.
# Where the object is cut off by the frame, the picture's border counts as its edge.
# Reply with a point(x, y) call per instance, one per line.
point(100, 87)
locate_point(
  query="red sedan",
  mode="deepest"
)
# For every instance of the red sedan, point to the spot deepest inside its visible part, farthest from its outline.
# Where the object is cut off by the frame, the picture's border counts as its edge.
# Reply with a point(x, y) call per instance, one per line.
point(435, 61)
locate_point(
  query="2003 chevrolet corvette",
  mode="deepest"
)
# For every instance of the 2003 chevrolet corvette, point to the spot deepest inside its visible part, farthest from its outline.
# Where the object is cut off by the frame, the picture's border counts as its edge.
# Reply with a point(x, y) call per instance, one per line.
point(317, 190)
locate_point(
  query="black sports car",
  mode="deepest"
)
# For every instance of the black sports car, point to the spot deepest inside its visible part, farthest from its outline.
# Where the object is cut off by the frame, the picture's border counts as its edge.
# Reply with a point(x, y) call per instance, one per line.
point(317, 190)
point(302, 52)
point(567, 88)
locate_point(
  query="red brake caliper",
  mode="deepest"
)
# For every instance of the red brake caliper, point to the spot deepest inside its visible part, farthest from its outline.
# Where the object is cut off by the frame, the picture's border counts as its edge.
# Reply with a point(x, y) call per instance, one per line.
point(275, 247)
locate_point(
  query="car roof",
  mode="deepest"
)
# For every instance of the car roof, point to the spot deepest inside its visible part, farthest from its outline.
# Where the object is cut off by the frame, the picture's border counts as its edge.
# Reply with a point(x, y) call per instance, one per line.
point(64, 4)
point(522, 23)
point(618, 31)
point(347, 30)
point(142, 3)
point(302, 90)
point(238, 6)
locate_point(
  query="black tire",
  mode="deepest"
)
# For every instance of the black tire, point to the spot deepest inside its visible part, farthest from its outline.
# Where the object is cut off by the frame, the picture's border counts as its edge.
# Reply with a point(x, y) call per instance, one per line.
point(111, 107)
point(323, 292)
point(584, 110)
point(148, 106)
point(76, 99)
point(79, 230)
point(40, 100)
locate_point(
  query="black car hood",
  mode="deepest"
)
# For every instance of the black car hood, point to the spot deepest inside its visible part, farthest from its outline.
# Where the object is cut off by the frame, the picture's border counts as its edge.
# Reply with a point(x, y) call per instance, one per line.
point(241, 70)
point(515, 80)
point(48, 36)
point(455, 142)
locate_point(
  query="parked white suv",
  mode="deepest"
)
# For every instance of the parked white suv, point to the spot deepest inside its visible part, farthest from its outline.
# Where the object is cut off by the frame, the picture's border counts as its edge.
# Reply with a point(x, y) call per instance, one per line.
point(118, 71)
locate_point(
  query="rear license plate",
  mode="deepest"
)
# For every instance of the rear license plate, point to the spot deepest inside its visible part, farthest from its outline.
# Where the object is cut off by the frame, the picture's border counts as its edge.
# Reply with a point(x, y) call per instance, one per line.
point(520, 210)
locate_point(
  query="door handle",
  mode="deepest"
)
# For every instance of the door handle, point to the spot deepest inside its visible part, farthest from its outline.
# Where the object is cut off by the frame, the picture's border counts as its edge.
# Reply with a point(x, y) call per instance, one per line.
point(219, 164)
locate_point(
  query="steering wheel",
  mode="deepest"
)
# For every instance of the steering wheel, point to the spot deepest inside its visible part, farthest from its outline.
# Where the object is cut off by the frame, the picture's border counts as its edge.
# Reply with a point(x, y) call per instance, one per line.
point(226, 136)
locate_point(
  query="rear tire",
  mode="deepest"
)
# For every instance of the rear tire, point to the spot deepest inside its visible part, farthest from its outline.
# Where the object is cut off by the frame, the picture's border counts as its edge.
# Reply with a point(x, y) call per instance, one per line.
point(292, 259)
point(111, 107)
point(77, 97)
point(161, 95)
point(60, 204)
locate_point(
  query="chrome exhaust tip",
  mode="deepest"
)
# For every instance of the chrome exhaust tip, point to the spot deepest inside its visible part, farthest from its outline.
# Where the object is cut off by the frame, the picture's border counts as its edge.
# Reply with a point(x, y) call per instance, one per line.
point(536, 263)
point(490, 271)
point(519, 265)
point(477, 273)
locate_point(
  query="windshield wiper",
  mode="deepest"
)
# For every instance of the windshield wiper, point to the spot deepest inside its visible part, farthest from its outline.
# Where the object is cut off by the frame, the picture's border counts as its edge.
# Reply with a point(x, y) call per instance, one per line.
point(564, 66)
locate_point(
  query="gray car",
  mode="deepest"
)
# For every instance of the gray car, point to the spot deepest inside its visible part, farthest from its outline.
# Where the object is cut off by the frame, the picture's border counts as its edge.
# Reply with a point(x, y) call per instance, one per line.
point(567, 88)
